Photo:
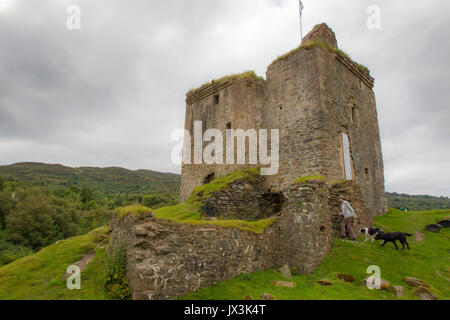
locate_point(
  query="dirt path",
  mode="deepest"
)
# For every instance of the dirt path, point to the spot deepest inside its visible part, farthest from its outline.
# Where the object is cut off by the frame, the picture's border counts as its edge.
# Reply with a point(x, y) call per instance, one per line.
point(420, 236)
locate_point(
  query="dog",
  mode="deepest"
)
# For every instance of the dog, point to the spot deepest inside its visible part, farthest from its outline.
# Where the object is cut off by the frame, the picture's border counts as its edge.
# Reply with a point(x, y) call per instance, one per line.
point(370, 233)
point(393, 237)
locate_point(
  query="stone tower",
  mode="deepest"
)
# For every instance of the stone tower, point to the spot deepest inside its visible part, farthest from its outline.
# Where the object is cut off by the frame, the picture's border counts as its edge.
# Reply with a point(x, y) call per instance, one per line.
point(324, 107)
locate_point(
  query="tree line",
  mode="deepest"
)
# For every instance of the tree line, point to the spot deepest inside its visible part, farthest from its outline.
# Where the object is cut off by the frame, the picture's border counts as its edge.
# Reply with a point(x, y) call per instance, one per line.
point(35, 216)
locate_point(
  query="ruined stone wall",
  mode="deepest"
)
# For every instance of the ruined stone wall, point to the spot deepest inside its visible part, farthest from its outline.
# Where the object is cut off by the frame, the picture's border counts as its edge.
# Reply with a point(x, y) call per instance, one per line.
point(349, 106)
point(305, 228)
point(241, 104)
point(243, 200)
point(166, 260)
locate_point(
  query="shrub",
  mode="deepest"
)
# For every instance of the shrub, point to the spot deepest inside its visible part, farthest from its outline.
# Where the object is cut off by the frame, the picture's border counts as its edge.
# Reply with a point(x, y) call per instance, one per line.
point(116, 285)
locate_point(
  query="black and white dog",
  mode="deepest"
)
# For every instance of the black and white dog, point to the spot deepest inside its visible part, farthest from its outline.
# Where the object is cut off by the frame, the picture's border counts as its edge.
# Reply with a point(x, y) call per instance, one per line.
point(393, 237)
point(370, 233)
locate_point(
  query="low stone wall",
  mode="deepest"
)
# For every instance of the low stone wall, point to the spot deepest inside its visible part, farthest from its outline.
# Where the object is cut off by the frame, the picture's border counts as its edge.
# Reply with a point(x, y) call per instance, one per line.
point(166, 260)
point(243, 200)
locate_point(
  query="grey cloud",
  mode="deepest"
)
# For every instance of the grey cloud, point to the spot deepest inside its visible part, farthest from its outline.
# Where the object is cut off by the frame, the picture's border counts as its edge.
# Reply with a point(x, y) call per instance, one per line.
point(112, 93)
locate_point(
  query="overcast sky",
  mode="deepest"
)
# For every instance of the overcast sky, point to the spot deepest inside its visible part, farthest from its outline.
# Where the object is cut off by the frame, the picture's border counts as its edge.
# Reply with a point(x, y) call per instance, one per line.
point(112, 93)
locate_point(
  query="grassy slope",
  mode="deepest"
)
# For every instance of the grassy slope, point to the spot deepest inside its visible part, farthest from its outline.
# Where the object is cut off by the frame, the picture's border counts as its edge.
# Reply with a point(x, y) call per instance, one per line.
point(41, 276)
point(422, 262)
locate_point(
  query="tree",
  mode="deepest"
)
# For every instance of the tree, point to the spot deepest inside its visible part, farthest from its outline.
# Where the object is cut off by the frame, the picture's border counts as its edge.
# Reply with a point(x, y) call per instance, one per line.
point(154, 201)
point(2, 184)
point(40, 220)
point(86, 195)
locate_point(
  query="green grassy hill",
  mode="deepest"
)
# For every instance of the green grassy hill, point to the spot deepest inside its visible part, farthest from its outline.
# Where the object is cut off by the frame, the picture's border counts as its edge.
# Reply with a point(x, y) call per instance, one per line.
point(104, 180)
point(41, 276)
point(417, 203)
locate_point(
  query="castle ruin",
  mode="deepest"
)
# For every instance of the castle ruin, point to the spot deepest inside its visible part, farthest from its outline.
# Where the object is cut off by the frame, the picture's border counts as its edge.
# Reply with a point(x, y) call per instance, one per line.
point(322, 103)
point(324, 107)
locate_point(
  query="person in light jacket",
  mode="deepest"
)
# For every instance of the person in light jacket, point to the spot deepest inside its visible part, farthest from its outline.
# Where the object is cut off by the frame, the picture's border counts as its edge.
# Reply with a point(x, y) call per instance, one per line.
point(347, 215)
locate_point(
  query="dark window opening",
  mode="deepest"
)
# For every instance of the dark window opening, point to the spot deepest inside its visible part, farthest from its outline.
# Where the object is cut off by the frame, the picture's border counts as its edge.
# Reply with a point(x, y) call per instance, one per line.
point(354, 113)
point(323, 228)
point(229, 126)
point(216, 99)
point(367, 171)
point(210, 177)
point(273, 201)
point(281, 107)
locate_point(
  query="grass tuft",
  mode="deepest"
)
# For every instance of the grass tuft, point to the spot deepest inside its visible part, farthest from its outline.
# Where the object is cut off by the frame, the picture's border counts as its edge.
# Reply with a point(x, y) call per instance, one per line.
point(310, 178)
point(330, 49)
point(205, 191)
point(244, 75)
point(135, 211)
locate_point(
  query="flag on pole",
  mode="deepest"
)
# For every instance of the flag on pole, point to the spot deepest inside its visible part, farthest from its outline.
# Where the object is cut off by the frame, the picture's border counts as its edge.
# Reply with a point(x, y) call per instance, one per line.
point(301, 16)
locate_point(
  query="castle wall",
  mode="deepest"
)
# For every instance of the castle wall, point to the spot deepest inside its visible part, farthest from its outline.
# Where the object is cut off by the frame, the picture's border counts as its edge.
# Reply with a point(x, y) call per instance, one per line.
point(312, 96)
point(241, 104)
point(166, 260)
point(293, 107)
point(349, 106)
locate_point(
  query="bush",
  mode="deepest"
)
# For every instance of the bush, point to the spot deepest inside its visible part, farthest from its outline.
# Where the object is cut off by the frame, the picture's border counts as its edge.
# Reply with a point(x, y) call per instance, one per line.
point(116, 284)
point(10, 252)
point(154, 201)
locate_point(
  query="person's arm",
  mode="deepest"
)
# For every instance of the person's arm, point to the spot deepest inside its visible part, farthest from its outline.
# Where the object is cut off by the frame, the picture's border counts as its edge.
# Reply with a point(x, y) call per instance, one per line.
point(351, 209)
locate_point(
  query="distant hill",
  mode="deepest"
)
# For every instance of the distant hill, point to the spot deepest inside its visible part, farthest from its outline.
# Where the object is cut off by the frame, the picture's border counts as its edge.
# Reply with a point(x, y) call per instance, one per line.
point(114, 180)
point(417, 203)
point(111, 180)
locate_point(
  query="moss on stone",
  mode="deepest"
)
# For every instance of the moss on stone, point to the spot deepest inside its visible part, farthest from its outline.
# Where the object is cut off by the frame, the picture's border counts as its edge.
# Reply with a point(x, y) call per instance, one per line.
point(248, 74)
point(330, 49)
point(189, 211)
point(339, 182)
point(205, 191)
point(310, 178)
point(134, 211)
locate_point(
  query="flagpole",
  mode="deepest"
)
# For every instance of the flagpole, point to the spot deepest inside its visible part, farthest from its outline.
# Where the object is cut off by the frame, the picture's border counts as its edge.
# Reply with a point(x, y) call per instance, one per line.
point(301, 18)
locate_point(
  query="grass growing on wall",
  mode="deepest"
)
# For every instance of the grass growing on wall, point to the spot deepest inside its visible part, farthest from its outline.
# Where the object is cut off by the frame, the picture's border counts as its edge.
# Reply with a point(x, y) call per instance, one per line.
point(330, 49)
point(218, 184)
point(247, 74)
point(189, 212)
point(427, 260)
point(310, 178)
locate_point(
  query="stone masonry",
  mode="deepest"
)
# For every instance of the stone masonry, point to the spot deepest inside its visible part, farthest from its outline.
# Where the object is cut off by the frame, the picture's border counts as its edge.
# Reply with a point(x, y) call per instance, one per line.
point(317, 97)
point(166, 260)
point(313, 96)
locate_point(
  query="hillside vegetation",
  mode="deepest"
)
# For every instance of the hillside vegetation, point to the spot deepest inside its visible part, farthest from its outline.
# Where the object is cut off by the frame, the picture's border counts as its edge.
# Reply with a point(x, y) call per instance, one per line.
point(104, 180)
point(417, 203)
point(42, 275)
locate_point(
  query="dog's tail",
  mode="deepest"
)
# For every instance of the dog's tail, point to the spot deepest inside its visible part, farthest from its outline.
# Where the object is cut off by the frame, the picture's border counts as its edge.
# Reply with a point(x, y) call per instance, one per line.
point(408, 235)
